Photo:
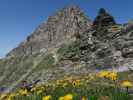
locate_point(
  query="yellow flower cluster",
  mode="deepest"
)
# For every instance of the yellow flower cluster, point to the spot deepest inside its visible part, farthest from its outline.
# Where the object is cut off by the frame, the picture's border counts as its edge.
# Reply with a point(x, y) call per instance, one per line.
point(108, 74)
point(70, 81)
point(8, 96)
point(38, 89)
point(23, 92)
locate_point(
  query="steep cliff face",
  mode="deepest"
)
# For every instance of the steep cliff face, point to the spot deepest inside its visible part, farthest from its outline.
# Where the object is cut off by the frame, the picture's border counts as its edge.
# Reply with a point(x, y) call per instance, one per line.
point(66, 24)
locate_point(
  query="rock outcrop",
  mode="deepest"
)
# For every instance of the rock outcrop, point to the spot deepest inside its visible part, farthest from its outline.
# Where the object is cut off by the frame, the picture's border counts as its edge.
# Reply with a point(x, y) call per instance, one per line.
point(103, 19)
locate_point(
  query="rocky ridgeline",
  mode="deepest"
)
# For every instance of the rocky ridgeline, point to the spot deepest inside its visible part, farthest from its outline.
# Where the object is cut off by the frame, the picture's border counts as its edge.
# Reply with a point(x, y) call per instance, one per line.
point(106, 45)
point(66, 24)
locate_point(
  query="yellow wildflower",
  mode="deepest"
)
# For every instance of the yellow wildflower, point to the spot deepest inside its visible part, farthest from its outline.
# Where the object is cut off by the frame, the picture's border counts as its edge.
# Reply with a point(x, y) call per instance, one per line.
point(103, 73)
point(83, 98)
point(23, 92)
point(11, 96)
point(68, 97)
point(61, 98)
point(76, 83)
point(112, 75)
point(46, 97)
point(126, 84)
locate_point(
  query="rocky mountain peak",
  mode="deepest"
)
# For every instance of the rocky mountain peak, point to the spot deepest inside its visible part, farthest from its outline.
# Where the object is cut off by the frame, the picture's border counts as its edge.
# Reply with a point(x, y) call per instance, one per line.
point(103, 19)
point(102, 11)
point(66, 24)
point(72, 9)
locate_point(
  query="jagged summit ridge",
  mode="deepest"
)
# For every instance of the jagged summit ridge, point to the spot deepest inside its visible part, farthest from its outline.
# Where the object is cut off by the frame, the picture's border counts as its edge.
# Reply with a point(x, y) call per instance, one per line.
point(67, 23)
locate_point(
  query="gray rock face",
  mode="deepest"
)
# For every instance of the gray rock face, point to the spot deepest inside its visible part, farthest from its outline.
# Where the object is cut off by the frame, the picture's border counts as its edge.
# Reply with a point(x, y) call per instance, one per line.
point(66, 24)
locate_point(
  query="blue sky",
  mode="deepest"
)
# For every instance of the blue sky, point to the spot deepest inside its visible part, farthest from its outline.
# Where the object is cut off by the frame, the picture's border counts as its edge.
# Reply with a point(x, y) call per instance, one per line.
point(19, 18)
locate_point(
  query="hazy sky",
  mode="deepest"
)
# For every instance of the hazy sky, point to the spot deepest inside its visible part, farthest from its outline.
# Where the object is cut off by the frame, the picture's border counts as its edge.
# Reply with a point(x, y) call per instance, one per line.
point(18, 18)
